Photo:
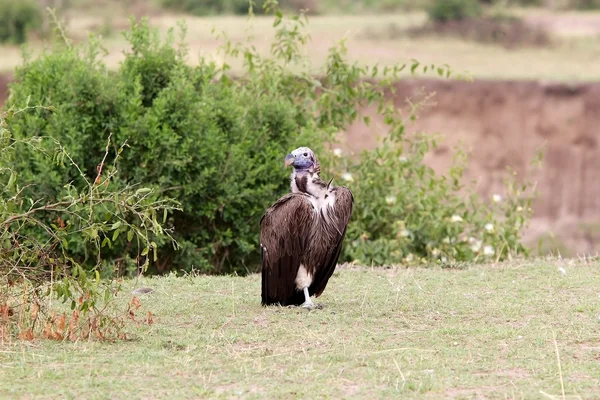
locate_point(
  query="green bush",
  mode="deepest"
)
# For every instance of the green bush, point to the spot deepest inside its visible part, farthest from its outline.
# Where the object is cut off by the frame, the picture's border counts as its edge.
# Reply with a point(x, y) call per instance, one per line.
point(237, 7)
point(216, 145)
point(208, 143)
point(585, 4)
point(18, 18)
point(453, 10)
point(210, 7)
point(409, 215)
point(38, 233)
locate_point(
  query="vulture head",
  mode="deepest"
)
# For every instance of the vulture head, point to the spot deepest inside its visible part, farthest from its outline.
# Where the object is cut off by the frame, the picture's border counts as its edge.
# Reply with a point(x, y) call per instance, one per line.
point(302, 159)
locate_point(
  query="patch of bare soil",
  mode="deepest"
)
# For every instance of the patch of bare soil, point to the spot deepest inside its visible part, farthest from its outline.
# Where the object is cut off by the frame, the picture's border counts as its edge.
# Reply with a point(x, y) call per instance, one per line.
point(515, 373)
point(5, 79)
point(504, 124)
point(474, 393)
point(509, 32)
point(566, 24)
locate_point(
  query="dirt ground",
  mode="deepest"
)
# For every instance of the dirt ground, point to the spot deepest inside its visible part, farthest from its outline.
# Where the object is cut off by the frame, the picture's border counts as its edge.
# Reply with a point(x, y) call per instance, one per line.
point(4, 81)
point(504, 123)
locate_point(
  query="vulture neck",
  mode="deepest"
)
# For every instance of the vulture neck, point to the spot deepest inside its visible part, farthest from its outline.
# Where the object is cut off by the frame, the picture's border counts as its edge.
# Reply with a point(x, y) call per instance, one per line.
point(308, 182)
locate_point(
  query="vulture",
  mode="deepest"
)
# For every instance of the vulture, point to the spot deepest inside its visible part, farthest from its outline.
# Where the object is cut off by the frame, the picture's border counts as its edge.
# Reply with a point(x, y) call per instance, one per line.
point(301, 234)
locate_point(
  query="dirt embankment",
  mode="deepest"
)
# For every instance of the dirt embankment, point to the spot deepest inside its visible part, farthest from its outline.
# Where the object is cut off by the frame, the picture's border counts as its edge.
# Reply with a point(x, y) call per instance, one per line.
point(5, 79)
point(505, 124)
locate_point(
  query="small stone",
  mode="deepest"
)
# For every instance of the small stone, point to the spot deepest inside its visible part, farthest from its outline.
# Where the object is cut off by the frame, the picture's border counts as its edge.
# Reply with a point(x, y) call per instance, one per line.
point(142, 291)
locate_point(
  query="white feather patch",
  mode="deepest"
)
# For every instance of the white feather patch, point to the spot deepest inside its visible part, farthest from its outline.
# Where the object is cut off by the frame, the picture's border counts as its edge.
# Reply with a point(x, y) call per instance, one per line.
point(321, 198)
point(303, 278)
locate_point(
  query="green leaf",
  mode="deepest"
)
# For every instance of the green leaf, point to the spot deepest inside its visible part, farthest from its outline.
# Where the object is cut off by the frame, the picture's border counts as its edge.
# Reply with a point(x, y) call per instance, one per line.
point(11, 180)
point(145, 251)
point(414, 66)
point(116, 225)
point(142, 191)
point(130, 234)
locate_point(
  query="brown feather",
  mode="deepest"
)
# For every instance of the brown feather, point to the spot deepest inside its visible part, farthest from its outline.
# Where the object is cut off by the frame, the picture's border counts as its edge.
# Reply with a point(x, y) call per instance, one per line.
point(283, 238)
point(340, 218)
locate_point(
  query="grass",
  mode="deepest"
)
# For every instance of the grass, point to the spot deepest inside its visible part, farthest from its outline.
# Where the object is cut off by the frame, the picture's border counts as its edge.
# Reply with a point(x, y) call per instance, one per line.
point(512, 330)
point(576, 57)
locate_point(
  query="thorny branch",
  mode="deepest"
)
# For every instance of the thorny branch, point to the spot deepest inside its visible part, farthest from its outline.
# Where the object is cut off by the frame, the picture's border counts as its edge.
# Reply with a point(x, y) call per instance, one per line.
point(29, 260)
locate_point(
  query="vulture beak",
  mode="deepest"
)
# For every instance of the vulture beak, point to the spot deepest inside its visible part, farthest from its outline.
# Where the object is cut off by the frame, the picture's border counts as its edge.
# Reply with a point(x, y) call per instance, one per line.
point(289, 160)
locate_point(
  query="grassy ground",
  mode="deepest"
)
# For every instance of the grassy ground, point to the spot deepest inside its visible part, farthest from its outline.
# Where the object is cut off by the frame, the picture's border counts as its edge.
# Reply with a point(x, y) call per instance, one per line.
point(375, 38)
point(515, 330)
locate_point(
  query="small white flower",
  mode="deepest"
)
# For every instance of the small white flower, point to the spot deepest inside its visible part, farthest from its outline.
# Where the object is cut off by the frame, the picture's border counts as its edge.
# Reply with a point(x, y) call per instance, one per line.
point(562, 271)
point(347, 176)
point(435, 252)
point(456, 218)
point(405, 233)
point(497, 198)
point(446, 240)
point(444, 259)
point(519, 209)
point(409, 257)
point(489, 227)
point(337, 152)
point(488, 251)
point(390, 200)
point(476, 245)
point(403, 159)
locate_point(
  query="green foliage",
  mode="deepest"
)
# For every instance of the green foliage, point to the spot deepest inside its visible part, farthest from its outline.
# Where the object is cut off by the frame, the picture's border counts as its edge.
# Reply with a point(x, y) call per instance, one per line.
point(444, 9)
point(18, 18)
point(216, 146)
point(453, 10)
point(584, 4)
point(213, 144)
point(410, 215)
point(210, 7)
point(42, 231)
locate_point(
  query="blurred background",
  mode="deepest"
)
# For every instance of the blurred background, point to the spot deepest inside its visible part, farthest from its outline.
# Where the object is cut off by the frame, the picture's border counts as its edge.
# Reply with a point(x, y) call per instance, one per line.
point(530, 73)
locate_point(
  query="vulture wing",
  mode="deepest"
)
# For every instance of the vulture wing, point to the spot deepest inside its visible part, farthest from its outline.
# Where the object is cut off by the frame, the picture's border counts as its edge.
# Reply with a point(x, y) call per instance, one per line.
point(339, 216)
point(284, 235)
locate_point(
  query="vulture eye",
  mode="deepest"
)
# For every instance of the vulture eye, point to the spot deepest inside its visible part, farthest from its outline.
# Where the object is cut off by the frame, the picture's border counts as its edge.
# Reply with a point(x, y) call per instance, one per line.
point(305, 154)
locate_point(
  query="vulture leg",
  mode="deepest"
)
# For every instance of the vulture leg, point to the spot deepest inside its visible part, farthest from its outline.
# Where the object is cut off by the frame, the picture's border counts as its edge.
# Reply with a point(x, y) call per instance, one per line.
point(307, 301)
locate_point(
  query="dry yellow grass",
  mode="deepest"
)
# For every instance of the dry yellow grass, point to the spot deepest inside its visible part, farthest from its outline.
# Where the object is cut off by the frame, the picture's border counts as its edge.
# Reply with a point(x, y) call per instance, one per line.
point(575, 58)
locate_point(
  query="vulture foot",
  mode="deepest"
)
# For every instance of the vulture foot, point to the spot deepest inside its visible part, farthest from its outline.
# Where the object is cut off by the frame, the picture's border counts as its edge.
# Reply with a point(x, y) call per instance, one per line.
point(309, 305)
